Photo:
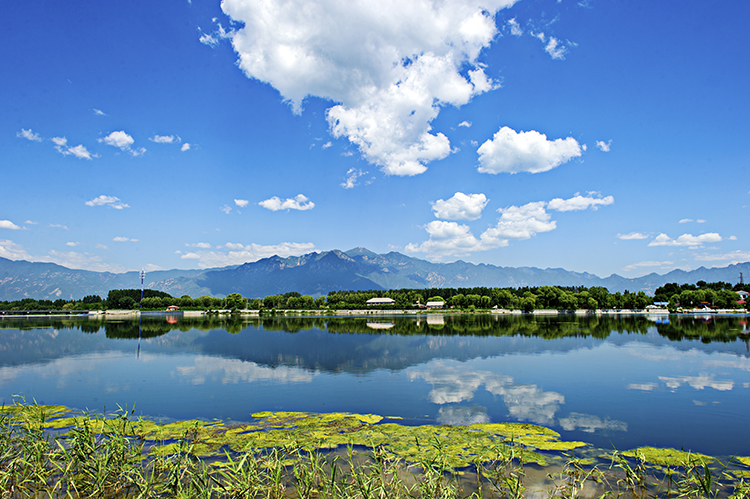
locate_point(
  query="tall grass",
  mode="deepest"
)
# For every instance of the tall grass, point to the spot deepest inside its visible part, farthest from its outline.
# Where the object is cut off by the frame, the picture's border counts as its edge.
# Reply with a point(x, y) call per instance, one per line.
point(111, 458)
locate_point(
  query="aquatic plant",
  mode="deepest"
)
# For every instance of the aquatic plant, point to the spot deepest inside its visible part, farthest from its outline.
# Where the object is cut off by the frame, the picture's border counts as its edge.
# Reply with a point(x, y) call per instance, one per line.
point(48, 451)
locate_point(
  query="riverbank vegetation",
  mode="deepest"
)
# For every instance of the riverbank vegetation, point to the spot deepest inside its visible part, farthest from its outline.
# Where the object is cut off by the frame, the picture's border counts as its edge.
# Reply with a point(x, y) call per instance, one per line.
point(47, 451)
point(711, 295)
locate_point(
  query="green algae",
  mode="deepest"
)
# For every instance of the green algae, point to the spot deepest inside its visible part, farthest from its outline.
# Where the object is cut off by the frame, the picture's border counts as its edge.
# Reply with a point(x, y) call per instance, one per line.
point(667, 457)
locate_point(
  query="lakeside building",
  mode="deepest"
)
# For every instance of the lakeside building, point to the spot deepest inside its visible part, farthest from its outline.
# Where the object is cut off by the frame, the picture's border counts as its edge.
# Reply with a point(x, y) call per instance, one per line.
point(380, 301)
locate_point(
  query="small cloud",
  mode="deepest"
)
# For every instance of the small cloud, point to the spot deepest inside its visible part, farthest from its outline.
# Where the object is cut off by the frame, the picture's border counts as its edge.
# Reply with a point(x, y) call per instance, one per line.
point(460, 207)
point(737, 256)
point(164, 139)
point(466, 124)
point(111, 201)
point(511, 152)
point(198, 245)
point(29, 135)
point(138, 152)
point(700, 221)
point(555, 49)
point(7, 224)
point(101, 246)
point(226, 209)
point(632, 235)
point(604, 146)
point(299, 202)
point(78, 151)
point(185, 147)
point(686, 240)
point(326, 145)
point(150, 267)
point(578, 202)
point(72, 244)
point(685, 220)
point(121, 239)
point(351, 178)
point(515, 28)
point(639, 265)
point(99, 112)
point(30, 222)
point(118, 139)
point(190, 256)
point(59, 226)
point(213, 39)
point(241, 202)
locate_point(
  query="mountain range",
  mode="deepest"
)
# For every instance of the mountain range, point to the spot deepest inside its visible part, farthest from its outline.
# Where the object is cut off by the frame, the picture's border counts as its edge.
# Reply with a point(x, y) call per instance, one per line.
point(318, 273)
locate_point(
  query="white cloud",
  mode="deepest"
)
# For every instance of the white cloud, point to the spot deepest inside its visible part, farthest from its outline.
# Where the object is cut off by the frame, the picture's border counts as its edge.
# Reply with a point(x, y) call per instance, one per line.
point(645, 387)
point(632, 235)
point(199, 245)
point(138, 152)
point(604, 146)
point(652, 263)
point(239, 253)
point(7, 224)
point(83, 261)
point(460, 207)
point(738, 256)
point(226, 209)
point(685, 220)
point(121, 239)
point(700, 221)
point(699, 382)
point(28, 134)
point(118, 139)
point(512, 152)
point(241, 202)
point(457, 384)
point(111, 201)
point(31, 222)
point(515, 223)
point(466, 124)
point(589, 423)
point(69, 259)
point(59, 226)
point(446, 239)
point(99, 112)
point(326, 145)
point(185, 147)
point(299, 202)
point(213, 39)
point(391, 66)
point(78, 151)
point(164, 139)
point(555, 49)
point(686, 240)
point(579, 202)
point(72, 244)
point(515, 28)
point(13, 251)
point(351, 178)
point(519, 223)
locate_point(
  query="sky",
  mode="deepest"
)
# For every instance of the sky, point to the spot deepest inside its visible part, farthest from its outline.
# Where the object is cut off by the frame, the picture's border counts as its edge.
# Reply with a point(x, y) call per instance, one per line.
point(601, 136)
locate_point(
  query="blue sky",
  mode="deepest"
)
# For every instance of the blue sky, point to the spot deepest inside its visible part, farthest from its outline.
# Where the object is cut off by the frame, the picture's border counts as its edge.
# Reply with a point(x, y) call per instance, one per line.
point(598, 136)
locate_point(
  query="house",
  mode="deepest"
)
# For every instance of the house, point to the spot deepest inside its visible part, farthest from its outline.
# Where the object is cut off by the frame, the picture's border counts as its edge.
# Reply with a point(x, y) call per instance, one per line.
point(435, 304)
point(380, 301)
point(173, 308)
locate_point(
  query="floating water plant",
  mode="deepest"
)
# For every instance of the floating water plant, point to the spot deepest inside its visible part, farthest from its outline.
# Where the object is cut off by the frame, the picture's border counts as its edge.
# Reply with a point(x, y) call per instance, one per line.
point(49, 451)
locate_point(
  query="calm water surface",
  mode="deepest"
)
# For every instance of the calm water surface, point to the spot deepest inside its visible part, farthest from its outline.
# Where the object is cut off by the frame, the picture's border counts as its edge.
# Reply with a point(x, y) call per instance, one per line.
point(619, 382)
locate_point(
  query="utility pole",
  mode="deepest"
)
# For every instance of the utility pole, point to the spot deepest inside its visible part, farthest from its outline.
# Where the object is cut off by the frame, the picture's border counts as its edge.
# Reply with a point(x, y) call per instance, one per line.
point(143, 276)
point(741, 281)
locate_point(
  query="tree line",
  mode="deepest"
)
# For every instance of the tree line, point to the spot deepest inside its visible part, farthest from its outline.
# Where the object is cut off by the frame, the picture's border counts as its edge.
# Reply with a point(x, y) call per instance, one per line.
point(716, 295)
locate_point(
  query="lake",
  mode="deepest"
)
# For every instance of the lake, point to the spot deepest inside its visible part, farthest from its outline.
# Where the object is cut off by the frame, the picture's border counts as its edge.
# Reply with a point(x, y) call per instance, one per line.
point(681, 381)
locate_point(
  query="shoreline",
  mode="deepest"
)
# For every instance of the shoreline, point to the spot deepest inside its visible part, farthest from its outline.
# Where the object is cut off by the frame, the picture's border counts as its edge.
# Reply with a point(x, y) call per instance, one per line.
point(367, 312)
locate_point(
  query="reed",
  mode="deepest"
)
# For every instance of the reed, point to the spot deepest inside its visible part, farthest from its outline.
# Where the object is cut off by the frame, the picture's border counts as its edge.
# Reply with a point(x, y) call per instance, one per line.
point(111, 457)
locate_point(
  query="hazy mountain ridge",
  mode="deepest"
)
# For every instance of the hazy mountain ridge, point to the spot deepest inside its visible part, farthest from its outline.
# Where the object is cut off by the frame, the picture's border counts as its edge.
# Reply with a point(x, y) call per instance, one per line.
point(318, 273)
